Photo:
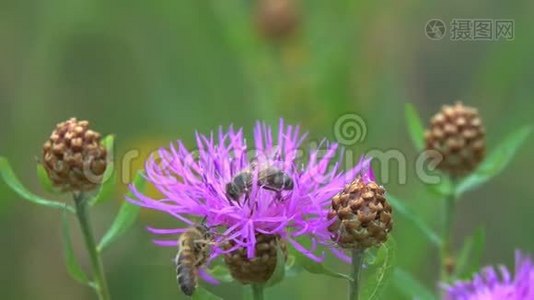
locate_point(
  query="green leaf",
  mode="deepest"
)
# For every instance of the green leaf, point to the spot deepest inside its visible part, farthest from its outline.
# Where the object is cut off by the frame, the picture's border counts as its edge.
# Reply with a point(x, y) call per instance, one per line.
point(402, 209)
point(203, 294)
point(125, 218)
point(221, 273)
point(470, 257)
point(45, 181)
point(495, 163)
point(411, 287)
point(109, 178)
point(314, 267)
point(73, 267)
point(444, 188)
point(380, 272)
point(292, 269)
point(415, 126)
point(13, 182)
point(280, 269)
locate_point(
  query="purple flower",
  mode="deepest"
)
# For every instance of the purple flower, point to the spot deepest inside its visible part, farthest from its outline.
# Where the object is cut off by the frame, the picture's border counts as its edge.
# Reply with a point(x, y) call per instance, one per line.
point(492, 284)
point(194, 187)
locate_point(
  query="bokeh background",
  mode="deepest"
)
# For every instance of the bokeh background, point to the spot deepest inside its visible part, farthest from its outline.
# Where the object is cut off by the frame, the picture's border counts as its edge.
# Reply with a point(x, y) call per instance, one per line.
point(154, 71)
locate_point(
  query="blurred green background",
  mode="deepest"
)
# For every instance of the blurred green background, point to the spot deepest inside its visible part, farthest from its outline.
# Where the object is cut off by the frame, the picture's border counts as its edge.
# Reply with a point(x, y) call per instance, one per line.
point(154, 71)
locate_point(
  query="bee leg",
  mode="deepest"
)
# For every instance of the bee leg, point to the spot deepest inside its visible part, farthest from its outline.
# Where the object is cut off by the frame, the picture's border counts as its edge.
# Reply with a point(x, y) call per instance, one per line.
point(247, 198)
point(269, 188)
point(277, 191)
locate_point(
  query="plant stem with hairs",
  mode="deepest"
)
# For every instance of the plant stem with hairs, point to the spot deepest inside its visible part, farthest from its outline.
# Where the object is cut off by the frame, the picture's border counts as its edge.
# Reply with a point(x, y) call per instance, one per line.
point(99, 277)
point(356, 266)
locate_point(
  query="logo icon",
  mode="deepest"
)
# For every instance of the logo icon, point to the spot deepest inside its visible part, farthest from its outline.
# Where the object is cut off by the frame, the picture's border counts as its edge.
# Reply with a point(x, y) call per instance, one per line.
point(435, 29)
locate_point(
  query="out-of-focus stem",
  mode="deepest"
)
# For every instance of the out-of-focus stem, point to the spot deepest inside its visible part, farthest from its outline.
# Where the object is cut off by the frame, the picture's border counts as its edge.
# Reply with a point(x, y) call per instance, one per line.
point(447, 255)
point(257, 291)
point(87, 232)
point(356, 266)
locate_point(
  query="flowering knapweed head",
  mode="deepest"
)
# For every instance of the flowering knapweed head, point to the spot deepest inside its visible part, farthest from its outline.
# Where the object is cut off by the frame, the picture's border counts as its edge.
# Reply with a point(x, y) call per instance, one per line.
point(257, 196)
point(497, 284)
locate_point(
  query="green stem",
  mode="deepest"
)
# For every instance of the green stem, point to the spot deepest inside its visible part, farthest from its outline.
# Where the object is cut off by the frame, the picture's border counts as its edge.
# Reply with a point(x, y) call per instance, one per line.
point(447, 255)
point(356, 266)
point(257, 291)
point(96, 262)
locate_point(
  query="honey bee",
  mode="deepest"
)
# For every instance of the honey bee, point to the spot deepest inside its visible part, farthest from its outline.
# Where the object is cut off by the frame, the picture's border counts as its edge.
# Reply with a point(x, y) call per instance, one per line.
point(240, 185)
point(274, 179)
point(194, 250)
point(269, 178)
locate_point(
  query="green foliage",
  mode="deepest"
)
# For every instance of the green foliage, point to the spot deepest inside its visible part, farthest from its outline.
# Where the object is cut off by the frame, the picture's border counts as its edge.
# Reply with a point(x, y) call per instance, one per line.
point(379, 272)
point(45, 181)
point(302, 261)
point(125, 218)
point(280, 269)
point(203, 294)
point(13, 182)
point(411, 287)
point(444, 188)
point(403, 210)
point(109, 184)
point(415, 126)
point(73, 267)
point(221, 273)
point(469, 258)
point(495, 163)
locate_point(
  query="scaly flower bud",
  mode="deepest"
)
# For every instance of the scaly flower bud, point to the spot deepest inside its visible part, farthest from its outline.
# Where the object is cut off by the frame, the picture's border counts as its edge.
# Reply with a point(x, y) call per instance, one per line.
point(276, 19)
point(361, 215)
point(260, 268)
point(457, 134)
point(73, 156)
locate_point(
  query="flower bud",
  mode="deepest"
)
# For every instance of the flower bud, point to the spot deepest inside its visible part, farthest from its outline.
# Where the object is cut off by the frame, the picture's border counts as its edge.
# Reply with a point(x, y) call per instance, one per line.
point(456, 134)
point(73, 156)
point(260, 268)
point(276, 19)
point(361, 216)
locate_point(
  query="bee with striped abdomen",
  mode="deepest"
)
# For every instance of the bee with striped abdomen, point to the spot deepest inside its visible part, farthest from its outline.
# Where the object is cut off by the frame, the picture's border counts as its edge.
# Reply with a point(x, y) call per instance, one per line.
point(194, 249)
point(269, 178)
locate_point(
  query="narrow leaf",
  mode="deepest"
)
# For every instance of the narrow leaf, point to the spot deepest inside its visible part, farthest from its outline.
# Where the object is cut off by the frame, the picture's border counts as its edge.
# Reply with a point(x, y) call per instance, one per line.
point(280, 269)
point(411, 287)
point(109, 178)
point(470, 257)
point(444, 188)
point(380, 272)
point(125, 218)
point(45, 181)
point(13, 182)
point(314, 267)
point(203, 294)
point(495, 163)
point(221, 273)
point(292, 269)
point(73, 267)
point(402, 209)
point(415, 126)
